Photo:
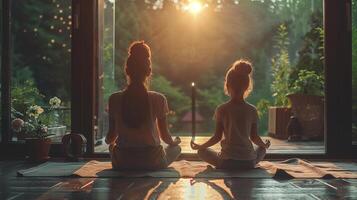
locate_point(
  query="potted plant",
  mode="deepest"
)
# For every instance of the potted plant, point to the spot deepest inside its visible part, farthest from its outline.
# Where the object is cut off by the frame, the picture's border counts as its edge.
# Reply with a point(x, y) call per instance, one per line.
point(307, 103)
point(23, 95)
point(279, 113)
point(35, 133)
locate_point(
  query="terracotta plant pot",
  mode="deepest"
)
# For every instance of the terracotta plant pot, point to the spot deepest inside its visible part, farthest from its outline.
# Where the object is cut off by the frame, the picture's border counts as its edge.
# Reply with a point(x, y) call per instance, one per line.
point(309, 110)
point(38, 149)
point(278, 120)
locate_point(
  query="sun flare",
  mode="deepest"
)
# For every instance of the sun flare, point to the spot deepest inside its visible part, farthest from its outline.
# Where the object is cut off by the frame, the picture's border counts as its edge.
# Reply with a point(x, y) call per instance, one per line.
point(195, 7)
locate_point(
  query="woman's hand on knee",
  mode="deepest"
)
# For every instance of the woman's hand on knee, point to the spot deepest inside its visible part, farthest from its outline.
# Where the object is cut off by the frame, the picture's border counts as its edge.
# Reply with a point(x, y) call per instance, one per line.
point(267, 144)
point(176, 141)
point(194, 145)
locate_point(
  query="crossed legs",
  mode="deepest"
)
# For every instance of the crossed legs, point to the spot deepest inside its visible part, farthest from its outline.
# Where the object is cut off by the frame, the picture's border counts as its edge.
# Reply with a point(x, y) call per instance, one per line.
point(172, 153)
point(212, 157)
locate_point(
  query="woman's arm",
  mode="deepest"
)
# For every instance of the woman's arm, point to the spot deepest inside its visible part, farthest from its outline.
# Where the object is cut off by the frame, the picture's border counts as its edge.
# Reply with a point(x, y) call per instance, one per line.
point(111, 135)
point(256, 139)
point(164, 132)
point(213, 140)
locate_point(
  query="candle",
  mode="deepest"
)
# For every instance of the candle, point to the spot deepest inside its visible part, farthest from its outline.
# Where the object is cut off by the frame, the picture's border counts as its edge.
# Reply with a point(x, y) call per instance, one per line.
point(193, 111)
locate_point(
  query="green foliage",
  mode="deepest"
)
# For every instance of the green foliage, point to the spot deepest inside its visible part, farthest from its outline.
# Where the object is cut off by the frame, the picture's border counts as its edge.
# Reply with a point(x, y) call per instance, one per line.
point(23, 96)
point(20, 76)
point(177, 100)
point(262, 107)
point(311, 53)
point(308, 82)
point(35, 129)
point(354, 13)
point(41, 35)
point(281, 67)
point(209, 99)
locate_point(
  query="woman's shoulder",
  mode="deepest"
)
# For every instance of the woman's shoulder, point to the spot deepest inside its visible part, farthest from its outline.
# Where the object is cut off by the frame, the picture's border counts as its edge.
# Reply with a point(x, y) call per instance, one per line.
point(156, 95)
point(223, 106)
point(251, 107)
point(115, 95)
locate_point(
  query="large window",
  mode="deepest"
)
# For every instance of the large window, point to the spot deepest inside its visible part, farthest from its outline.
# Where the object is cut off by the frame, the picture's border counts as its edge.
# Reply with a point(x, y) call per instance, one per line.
point(196, 41)
point(354, 71)
point(41, 63)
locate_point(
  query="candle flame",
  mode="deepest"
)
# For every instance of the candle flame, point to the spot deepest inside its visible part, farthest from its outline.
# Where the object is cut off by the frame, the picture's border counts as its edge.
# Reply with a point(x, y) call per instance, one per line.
point(193, 84)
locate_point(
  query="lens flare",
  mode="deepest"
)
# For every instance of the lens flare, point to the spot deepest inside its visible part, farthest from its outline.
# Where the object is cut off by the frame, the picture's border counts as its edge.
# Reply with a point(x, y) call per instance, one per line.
point(195, 7)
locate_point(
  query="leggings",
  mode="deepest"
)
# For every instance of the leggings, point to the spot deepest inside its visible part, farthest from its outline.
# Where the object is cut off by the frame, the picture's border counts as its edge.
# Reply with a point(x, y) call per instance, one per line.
point(144, 158)
point(212, 157)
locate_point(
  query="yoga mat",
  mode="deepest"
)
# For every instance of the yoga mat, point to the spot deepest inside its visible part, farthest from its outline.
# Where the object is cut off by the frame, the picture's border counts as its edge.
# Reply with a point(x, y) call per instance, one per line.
point(178, 169)
point(298, 168)
point(292, 168)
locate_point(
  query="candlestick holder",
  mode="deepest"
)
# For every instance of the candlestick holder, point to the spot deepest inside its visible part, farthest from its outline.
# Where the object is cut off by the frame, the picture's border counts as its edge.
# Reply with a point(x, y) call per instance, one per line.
point(193, 110)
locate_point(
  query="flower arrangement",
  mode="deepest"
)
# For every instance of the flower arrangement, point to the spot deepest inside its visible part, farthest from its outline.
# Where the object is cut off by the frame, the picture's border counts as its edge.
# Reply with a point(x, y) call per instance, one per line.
point(32, 126)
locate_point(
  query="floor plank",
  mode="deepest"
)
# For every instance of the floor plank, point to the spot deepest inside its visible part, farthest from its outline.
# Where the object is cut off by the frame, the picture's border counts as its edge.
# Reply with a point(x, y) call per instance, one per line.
point(14, 188)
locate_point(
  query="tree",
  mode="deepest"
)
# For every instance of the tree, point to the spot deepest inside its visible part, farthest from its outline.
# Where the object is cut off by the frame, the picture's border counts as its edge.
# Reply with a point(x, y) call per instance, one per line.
point(281, 67)
point(311, 53)
point(178, 102)
point(41, 32)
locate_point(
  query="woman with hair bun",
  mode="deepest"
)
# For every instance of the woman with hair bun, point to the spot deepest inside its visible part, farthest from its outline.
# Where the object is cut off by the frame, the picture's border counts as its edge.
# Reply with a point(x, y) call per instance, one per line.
point(137, 119)
point(237, 121)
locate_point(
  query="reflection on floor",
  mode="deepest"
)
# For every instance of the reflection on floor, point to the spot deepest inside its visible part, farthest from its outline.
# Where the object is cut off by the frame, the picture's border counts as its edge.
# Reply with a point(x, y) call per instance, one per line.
point(277, 146)
point(14, 188)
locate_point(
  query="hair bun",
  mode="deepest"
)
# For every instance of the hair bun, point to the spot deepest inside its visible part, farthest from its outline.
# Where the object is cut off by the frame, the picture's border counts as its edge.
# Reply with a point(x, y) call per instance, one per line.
point(139, 49)
point(243, 67)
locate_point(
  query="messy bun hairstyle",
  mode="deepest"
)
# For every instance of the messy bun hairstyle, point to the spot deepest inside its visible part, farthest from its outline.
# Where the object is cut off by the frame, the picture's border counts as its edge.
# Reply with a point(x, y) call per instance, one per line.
point(239, 78)
point(135, 102)
point(138, 63)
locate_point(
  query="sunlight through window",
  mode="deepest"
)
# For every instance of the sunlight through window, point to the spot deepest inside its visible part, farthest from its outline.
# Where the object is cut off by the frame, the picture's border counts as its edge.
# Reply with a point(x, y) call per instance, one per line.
point(195, 7)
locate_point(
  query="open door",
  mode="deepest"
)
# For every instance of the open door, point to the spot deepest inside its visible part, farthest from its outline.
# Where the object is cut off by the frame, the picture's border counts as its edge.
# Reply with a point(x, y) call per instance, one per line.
point(196, 42)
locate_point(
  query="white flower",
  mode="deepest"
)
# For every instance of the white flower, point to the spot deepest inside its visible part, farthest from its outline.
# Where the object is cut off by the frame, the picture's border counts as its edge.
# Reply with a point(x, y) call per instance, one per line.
point(55, 102)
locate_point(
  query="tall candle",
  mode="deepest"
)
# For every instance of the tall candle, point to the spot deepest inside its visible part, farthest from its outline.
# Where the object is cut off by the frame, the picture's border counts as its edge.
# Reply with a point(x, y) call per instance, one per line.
point(193, 110)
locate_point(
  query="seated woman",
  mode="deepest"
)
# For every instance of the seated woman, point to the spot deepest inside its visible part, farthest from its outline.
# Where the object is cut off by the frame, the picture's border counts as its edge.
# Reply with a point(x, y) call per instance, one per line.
point(137, 119)
point(237, 121)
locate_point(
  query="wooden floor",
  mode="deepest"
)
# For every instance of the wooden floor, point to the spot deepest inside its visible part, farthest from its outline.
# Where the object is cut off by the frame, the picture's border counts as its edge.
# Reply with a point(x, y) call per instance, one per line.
point(277, 146)
point(14, 188)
